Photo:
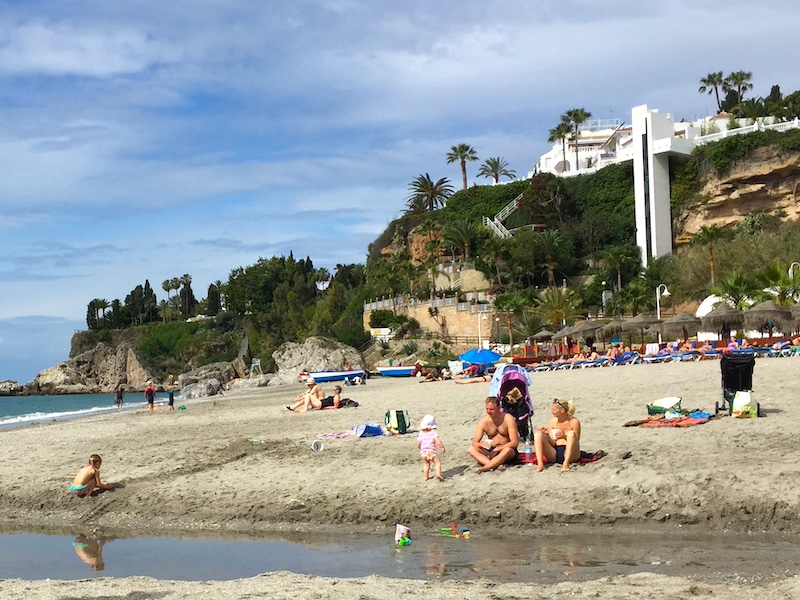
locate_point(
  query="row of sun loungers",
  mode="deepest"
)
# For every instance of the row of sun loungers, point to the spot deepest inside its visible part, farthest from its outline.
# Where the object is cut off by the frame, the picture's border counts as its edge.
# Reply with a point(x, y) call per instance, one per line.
point(632, 358)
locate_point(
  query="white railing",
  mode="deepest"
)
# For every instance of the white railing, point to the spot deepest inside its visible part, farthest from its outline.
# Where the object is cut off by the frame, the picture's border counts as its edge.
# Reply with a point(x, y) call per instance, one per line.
point(714, 137)
point(785, 126)
point(508, 209)
point(498, 228)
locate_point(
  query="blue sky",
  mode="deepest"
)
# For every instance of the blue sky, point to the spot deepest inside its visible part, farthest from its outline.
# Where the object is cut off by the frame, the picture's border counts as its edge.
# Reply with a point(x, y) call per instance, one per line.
point(150, 139)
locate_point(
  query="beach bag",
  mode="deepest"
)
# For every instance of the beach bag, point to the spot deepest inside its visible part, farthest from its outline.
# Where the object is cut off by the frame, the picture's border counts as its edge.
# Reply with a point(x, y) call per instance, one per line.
point(396, 421)
point(744, 407)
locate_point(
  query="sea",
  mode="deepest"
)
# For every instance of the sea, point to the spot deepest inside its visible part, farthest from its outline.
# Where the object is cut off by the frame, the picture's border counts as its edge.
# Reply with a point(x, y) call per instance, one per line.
point(18, 411)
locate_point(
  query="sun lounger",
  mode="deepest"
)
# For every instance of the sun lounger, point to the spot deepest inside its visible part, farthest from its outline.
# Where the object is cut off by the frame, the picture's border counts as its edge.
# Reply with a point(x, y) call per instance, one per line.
point(656, 359)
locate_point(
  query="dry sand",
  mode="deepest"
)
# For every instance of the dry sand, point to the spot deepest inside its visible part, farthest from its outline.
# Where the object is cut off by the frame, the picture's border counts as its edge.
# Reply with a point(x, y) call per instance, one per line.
point(239, 463)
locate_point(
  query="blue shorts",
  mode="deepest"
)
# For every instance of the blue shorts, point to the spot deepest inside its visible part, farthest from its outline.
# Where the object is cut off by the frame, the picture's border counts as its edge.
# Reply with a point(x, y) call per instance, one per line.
point(560, 452)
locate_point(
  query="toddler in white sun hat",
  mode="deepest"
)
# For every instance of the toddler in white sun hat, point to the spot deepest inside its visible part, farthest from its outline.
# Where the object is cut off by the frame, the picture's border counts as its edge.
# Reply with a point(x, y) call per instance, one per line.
point(427, 442)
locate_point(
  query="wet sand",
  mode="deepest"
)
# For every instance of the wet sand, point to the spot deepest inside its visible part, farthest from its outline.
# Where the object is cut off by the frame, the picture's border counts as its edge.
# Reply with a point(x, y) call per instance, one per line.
point(239, 463)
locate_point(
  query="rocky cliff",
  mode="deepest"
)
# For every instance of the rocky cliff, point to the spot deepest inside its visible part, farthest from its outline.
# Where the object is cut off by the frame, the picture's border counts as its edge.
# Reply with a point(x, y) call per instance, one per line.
point(98, 370)
point(767, 182)
point(314, 354)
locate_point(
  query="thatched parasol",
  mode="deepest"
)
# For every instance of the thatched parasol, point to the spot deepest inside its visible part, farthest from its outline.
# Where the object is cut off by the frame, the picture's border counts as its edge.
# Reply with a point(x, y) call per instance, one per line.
point(587, 328)
point(683, 323)
point(542, 335)
point(795, 310)
point(564, 333)
point(639, 323)
point(720, 316)
point(611, 329)
point(768, 315)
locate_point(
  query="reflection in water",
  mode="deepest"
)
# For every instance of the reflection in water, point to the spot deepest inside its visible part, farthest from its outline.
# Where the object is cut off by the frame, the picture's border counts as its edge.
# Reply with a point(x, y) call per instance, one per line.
point(90, 550)
point(561, 553)
point(435, 562)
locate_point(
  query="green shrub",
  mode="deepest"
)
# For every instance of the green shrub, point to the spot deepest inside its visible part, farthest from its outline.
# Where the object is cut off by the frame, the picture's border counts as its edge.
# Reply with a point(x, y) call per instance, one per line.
point(409, 348)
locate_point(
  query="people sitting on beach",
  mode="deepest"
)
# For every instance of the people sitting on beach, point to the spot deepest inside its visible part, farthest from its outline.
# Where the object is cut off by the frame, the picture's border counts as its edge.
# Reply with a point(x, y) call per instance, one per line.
point(310, 399)
point(613, 353)
point(433, 375)
point(88, 478)
point(502, 436)
point(418, 369)
point(796, 341)
point(745, 344)
point(732, 343)
point(559, 442)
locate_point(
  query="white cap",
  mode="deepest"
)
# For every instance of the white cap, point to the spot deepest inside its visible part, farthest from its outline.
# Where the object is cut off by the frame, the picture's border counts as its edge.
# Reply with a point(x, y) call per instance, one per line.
point(428, 422)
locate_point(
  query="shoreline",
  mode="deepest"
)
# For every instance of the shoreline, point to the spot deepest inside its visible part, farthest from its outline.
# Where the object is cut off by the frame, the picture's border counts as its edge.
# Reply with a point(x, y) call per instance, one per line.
point(237, 463)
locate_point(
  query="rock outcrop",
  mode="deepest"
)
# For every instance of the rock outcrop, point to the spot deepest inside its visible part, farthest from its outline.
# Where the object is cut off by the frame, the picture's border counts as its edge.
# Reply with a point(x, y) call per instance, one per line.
point(99, 370)
point(10, 388)
point(767, 182)
point(314, 354)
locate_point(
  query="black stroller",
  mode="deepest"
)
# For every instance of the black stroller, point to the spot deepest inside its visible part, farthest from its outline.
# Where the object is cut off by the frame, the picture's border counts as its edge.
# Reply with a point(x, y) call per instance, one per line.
point(737, 375)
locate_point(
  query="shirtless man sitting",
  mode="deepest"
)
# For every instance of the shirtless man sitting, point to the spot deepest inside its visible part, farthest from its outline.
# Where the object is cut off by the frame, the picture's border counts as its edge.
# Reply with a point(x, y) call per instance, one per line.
point(311, 398)
point(88, 478)
point(501, 429)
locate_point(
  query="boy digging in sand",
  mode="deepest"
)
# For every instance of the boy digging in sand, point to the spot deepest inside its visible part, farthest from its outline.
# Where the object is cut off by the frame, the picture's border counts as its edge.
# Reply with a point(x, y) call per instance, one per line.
point(88, 478)
point(427, 441)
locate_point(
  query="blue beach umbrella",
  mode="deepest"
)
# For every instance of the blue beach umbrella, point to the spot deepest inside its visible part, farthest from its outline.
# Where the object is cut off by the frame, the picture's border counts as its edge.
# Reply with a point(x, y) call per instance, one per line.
point(480, 356)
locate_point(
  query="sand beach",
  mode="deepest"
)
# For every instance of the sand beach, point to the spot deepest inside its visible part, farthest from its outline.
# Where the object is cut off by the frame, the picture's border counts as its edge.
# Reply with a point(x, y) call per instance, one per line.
point(240, 463)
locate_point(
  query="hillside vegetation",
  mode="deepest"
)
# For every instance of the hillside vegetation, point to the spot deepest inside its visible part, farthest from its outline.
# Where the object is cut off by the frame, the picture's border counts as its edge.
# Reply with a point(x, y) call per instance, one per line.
point(569, 230)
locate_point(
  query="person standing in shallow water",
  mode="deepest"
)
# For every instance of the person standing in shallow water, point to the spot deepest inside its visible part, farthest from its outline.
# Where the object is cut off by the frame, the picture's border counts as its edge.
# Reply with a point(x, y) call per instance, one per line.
point(150, 396)
point(118, 397)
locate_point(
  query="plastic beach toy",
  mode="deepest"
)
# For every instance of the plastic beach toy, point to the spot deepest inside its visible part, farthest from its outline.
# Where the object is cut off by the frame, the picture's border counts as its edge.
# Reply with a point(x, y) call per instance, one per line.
point(403, 541)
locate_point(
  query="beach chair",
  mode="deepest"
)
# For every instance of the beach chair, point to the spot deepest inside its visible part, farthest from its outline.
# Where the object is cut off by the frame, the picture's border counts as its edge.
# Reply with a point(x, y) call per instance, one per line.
point(737, 376)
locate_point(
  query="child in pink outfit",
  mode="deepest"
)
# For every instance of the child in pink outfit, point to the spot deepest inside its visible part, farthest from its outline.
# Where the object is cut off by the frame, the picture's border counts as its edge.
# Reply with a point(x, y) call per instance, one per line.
point(427, 441)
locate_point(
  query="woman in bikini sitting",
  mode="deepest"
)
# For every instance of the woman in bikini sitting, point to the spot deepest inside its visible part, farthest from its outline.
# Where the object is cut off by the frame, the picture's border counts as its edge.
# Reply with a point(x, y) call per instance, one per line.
point(559, 442)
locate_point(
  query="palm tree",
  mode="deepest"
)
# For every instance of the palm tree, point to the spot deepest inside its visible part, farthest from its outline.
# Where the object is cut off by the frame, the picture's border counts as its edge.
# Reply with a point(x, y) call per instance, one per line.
point(425, 193)
point(576, 117)
point(777, 285)
point(709, 234)
point(558, 305)
point(550, 244)
point(186, 281)
point(740, 82)
point(620, 257)
point(166, 285)
point(221, 289)
point(712, 83)
point(462, 153)
point(513, 304)
point(737, 289)
point(460, 233)
point(103, 305)
point(560, 133)
point(496, 168)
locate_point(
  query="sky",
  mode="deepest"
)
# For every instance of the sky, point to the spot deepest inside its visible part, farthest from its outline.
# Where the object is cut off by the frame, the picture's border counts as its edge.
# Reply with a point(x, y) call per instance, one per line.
point(151, 139)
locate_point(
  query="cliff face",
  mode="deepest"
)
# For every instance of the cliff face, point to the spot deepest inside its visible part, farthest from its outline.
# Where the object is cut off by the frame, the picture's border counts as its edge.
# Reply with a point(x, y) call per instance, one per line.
point(767, 182)
point(97, 370)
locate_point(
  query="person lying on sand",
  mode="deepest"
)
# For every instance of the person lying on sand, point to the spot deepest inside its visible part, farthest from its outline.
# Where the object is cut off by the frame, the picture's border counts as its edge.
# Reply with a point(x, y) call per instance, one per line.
point(559, 442)
point(88, 478)
point(311, 398)
point(501, 447)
